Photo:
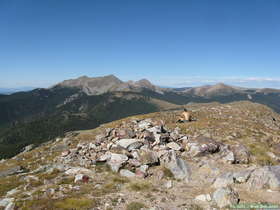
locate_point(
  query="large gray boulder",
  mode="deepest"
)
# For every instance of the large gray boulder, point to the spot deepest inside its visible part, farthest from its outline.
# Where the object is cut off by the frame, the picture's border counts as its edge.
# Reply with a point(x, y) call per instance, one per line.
point(223, 181)
point(130, 144)
point(178, 167)
point(265, 177)
point(116, 161)
point(230, 178)
point(127, 173)
point(225, 196)
point(202, 146)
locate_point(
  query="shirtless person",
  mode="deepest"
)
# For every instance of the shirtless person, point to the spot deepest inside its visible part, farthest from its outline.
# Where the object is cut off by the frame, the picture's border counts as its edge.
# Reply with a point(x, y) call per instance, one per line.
point(185, 116)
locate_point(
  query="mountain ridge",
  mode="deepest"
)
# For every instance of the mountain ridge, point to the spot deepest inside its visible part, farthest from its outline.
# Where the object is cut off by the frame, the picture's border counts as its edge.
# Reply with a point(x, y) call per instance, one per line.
point(86, 102)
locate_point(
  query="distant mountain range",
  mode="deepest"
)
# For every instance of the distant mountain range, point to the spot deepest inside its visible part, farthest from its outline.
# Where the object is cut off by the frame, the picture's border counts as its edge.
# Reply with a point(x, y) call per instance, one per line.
point(14, 90)
point(36, 116)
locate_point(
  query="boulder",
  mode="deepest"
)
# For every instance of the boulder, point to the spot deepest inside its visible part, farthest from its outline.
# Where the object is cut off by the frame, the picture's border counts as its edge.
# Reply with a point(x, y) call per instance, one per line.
point(174, 146)
point(169, 184)
point(79, 170)
point(145, 124)
point(149, 136)
point(127, 173)
point(242, 176)
point(125, 133)
point(130, 144)
point(203, 197)
point(28, 148)
point(265, 177)
point(116, 161)
point(226, 155)
point(241, 154)
point(229, 178)
point(104, 157)
point(203, 146)
point(178, 167)
point(223, 181)
point(225, 196)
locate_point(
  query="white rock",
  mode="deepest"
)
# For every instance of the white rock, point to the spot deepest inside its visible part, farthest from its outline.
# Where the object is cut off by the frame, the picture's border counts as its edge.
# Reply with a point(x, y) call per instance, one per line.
point(169, 184)
point(144, 168)
point(79, 170)
point(7, 202)
point(116, 161)
point(203, 197)
point(174, 146)
point(105, 157)
point(225, 196)
point(127, 173)
point(125, 143)
point(92, 146)
point(78, 178)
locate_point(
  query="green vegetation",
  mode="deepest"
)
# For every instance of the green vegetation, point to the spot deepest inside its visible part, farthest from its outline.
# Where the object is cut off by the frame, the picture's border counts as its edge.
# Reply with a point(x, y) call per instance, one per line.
point(140, 186)
point(65, 204)
point(56, 120)
point(8, 183)
point(259, 152)
point(75, 203)
point(135, 206)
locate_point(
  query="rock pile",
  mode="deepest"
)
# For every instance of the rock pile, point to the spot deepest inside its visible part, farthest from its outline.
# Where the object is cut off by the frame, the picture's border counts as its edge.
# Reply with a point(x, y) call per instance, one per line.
point(135, 146)
point(213, 171)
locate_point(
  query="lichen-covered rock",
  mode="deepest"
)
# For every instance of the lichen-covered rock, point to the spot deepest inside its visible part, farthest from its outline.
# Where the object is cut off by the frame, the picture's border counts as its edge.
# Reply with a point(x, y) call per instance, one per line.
point(174, 146)
point(116, 161)
point(178, 167)
point(225, 196)
point(242, 176)
point(241, 154)
point(130, 144)
point(265, 177)
point(203, 146)
point(127, 173)
point(223, 181)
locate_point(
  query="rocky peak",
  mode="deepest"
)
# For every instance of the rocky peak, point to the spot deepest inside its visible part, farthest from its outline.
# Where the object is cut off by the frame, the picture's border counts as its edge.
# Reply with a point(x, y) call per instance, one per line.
point(93, 85)
point(110, 83)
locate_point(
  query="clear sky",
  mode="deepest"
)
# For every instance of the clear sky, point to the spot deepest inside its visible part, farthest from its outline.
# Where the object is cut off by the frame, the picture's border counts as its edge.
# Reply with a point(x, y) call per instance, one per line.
point(170, 42)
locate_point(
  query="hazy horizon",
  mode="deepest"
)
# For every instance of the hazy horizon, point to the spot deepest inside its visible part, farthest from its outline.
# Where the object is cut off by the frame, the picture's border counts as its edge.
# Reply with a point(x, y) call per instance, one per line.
point(185, 82)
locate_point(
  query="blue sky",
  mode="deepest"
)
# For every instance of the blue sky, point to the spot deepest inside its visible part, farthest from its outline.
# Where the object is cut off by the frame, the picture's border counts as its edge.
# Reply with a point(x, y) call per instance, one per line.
point(171, 43)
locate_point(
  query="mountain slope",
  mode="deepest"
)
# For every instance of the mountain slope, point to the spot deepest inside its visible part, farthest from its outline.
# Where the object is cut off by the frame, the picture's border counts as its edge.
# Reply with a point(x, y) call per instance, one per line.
point(83, 113)
point(208, 91)
point(229, 155)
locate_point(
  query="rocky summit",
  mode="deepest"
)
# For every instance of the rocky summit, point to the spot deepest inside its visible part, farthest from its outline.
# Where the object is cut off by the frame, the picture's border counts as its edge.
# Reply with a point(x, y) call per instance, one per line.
point(229, 155)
